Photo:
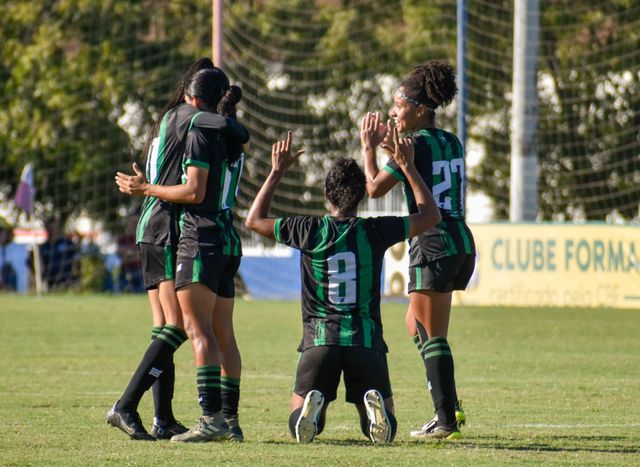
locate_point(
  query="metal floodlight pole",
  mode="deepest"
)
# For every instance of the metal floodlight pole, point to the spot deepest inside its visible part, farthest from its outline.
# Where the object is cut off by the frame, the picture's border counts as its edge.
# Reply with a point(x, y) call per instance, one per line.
point(524, 156)
point(217, 32)
point(462, 70)
point(461, 65)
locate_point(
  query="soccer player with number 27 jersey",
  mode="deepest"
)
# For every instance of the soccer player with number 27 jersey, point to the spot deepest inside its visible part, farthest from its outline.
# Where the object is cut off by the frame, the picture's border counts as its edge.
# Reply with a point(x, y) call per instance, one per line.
point(443, 258)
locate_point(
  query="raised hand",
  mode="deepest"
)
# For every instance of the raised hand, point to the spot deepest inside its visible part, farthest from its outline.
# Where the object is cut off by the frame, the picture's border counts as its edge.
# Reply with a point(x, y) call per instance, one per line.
point(132, 184)
point(372, 132)
point(403, 149)
point(387, 144)
point(281, 158)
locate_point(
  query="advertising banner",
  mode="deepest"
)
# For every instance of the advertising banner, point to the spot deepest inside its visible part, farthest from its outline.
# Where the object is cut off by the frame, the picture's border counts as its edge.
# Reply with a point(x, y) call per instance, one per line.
point(592, 265)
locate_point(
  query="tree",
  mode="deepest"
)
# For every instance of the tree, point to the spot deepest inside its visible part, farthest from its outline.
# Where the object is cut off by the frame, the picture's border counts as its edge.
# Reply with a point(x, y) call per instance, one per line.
point(588, 123)
point(81, 82)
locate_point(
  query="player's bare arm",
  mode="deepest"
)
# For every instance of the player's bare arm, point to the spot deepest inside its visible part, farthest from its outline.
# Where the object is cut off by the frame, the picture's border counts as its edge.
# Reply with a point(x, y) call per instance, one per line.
point(258, 218)
point(191, 192)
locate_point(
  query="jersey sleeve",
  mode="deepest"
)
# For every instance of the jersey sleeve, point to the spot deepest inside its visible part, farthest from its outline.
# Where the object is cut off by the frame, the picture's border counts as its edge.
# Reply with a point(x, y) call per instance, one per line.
point(388, 230)
point(296, 232)
point(394, 169)
point(227, 126)
point(196, 152)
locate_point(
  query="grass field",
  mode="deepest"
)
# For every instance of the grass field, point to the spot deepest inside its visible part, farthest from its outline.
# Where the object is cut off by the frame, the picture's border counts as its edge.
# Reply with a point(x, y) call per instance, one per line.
point(552, 386)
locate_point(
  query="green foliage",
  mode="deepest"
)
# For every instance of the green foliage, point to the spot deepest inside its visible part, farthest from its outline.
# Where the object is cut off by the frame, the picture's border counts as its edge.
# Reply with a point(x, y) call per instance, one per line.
point(588, 96)
point(82, 80)
point(534, 393)
point(69, 70)
point(597, 93)
point(332, 58)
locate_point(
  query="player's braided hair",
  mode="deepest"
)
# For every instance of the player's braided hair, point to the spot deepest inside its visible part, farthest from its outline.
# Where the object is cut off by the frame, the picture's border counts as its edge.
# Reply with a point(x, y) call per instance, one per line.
point(432, 84)
point(345, 184)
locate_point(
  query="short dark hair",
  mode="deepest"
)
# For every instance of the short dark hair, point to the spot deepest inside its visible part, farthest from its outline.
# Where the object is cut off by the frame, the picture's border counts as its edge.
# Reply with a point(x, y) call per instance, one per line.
point(432, 84)
point(345, 184)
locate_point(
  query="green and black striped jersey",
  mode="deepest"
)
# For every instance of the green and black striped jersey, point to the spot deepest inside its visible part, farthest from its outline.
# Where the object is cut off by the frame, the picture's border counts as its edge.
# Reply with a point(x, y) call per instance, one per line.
point(439, 158)
point(211, 221)
point(341, 263)
point(158, 223)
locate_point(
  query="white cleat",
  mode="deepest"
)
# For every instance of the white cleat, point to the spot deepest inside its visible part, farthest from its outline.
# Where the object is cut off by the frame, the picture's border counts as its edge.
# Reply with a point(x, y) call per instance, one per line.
point(379, 426)
point(307, 424)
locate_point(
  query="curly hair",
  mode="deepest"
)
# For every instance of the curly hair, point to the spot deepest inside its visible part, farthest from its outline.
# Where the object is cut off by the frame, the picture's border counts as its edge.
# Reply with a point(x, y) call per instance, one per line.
point(432, 84)
point(345, 184)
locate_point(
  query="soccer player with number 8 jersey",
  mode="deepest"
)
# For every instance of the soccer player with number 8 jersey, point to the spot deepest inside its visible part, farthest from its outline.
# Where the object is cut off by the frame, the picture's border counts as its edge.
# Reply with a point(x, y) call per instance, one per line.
point(341, 261)
point(443, 258)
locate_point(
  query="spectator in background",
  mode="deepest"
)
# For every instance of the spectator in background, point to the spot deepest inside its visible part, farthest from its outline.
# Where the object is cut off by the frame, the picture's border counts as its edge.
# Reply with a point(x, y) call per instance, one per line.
point(130, 277)
point(8, 276)
point(58, 255)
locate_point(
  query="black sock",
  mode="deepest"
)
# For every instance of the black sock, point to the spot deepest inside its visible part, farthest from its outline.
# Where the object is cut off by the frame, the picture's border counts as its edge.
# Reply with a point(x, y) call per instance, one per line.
point(208, 380)
point(163, 387)
point(293, 418)
point(295, 415)
point(230, 393)
point(438, 363)
point(154, 362)
point(155, 331)
point(365, 424)
point(423, 335)
point(156, 386)
point(393, 422)
point(418, 340)
point(320, 425)
point(163, 394)
point(173, 335)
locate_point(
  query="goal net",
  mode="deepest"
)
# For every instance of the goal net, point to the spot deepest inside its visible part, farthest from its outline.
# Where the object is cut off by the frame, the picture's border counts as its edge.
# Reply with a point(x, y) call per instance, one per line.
point(83, 81)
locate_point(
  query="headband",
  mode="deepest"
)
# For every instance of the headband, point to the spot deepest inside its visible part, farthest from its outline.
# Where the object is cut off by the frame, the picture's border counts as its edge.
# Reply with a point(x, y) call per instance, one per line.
point(415, 102)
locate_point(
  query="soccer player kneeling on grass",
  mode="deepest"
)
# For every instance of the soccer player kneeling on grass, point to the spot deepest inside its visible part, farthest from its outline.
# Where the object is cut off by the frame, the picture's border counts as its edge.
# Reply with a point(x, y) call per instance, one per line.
point(341, 262)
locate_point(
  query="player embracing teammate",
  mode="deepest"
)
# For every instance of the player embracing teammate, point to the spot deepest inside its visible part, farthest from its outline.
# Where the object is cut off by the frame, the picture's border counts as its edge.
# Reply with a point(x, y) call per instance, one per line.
point(188, 243)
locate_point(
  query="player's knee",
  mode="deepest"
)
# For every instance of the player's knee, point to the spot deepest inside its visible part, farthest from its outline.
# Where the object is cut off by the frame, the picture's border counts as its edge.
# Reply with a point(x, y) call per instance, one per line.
point(202, 343)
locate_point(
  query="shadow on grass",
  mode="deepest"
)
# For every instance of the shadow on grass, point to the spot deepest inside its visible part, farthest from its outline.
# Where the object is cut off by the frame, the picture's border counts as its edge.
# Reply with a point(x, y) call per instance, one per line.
point(562, 443)
point(324, 441)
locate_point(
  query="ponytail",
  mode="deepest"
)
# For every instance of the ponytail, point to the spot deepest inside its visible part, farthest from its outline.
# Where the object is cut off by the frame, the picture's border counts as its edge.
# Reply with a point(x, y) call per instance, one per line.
point(229, 100)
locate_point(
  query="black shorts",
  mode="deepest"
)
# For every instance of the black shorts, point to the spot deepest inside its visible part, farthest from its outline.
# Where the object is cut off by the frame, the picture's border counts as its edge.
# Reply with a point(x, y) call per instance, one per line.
point(158, 264)
point(442, 275)
point(209, 267)
point(320, 368)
